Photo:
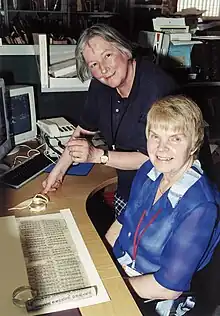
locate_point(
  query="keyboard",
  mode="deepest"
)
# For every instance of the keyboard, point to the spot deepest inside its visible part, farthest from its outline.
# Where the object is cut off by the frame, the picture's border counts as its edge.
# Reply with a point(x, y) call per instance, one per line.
point(26, 171)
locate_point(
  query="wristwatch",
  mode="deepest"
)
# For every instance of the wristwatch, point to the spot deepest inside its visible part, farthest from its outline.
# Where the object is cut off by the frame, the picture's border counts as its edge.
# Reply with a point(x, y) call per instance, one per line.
point(104, 158)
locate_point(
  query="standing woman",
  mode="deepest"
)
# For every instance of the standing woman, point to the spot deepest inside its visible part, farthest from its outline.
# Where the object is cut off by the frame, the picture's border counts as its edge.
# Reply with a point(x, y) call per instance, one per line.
point(122, 90)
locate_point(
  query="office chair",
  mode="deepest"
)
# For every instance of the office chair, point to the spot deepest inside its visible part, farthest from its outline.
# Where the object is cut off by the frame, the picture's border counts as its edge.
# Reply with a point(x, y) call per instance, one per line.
point(206, 287)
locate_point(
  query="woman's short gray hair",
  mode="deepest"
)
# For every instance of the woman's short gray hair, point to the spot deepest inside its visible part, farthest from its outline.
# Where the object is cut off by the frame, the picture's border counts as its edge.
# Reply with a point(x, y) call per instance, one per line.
point(106, 32)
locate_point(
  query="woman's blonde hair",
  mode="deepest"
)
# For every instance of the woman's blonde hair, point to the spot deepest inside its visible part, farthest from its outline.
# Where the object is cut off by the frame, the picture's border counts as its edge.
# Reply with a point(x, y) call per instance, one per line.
point(178, 113)
point(107, 33)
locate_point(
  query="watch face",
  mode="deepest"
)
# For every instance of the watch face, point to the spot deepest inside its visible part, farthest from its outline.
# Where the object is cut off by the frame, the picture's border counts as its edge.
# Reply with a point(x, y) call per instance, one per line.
point(104, 159)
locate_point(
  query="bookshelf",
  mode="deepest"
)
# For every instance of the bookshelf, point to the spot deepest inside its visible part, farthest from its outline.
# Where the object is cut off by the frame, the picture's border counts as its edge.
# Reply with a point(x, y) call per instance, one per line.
point(11, 8)
point(44, 56)
point(73, 14)
point(64, 11)
point(42, 51)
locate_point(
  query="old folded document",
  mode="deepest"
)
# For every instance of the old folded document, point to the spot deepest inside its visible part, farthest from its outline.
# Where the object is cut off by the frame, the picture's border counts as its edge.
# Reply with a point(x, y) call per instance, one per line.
point(48, 253)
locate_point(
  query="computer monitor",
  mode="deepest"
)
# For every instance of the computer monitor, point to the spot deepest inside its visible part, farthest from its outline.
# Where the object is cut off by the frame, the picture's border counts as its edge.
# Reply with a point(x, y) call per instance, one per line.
point(5, 140)
point(21, 107)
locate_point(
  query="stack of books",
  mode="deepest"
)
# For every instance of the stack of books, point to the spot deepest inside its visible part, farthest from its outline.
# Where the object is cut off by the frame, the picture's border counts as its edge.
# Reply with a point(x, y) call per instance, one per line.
point(66, 69)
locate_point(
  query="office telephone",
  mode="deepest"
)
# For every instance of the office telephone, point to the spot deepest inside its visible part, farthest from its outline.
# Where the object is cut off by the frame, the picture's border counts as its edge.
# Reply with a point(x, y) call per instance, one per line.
point(55, 132)
point(56, 127)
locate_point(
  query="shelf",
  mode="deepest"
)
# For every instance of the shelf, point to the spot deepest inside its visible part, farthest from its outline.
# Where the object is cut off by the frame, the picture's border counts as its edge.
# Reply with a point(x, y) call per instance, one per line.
point(97, 13)
point(148, 6)
point(37, 11)
point(66, 85)
point(16, 50)
point(203, 83)
point(55, 50)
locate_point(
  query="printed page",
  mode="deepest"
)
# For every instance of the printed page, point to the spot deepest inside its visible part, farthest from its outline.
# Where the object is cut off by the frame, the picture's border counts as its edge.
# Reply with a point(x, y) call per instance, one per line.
point(58, 264)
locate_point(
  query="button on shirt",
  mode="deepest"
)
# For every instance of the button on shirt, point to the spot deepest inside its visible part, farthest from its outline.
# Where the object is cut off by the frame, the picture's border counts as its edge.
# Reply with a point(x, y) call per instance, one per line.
point(180, 240)
point(119, 108)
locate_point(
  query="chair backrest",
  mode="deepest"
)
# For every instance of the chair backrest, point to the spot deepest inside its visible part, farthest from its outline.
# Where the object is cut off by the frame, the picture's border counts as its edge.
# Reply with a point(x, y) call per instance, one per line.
point(208, 278)
point(206, 286)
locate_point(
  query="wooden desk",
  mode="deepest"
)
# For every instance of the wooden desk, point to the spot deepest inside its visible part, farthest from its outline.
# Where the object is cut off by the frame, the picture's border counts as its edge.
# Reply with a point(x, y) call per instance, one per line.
point(73, 194)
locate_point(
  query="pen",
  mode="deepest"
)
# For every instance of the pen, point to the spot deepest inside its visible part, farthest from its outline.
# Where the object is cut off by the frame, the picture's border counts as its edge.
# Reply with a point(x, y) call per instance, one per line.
point(55, 298)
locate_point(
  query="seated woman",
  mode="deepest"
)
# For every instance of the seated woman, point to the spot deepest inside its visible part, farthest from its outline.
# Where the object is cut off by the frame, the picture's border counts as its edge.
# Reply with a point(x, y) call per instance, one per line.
point(166, 232)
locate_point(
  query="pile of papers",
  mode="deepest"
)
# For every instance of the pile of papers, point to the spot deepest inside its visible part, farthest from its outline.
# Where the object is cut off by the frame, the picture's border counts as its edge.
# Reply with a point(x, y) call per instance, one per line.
point(66, 69)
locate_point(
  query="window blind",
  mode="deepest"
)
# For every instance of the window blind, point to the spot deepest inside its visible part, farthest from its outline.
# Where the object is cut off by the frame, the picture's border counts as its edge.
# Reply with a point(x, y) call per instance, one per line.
point(212, 7)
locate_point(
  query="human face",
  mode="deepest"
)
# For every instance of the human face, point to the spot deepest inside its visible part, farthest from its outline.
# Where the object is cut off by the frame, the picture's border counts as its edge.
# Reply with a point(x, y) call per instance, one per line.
point(106, 63)
point(169, 151)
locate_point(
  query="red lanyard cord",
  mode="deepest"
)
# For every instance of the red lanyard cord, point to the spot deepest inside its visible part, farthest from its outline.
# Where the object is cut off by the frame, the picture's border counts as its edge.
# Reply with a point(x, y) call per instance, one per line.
point(137, 238)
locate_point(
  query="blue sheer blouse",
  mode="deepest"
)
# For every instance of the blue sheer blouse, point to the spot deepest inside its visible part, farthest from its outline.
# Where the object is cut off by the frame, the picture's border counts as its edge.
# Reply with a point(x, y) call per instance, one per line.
point(180, 240)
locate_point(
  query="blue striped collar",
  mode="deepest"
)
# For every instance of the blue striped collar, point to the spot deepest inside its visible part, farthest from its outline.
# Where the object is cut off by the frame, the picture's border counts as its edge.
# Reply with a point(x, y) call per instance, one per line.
point(179, 188)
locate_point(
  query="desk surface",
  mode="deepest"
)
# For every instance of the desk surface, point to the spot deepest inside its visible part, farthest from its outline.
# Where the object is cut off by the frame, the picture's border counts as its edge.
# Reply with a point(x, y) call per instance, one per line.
point(73, 194)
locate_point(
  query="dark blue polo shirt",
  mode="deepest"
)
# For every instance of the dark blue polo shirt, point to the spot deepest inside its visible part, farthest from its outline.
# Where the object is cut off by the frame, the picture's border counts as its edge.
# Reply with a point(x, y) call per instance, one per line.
point(122, 121)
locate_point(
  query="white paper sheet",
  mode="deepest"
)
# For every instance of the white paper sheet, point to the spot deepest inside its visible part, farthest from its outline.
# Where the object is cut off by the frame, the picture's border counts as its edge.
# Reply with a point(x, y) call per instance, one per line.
point(57, 260)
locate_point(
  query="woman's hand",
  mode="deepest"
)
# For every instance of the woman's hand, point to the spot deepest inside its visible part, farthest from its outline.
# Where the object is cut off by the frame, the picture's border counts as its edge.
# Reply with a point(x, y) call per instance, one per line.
point(53, 181)
point(81, 150)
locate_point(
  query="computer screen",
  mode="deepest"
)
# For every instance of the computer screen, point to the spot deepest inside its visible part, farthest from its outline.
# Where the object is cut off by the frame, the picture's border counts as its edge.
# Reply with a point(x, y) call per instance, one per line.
point(5, 140)
point(21, 106)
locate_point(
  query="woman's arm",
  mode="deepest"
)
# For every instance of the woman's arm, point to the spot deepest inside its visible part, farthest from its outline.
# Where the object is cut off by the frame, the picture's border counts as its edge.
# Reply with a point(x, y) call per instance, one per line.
point(55, 178)
point(147, 287)
point(113, 233)
point(144, 285)
point(126, 160)
point(65, 160)
point(82, 150)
